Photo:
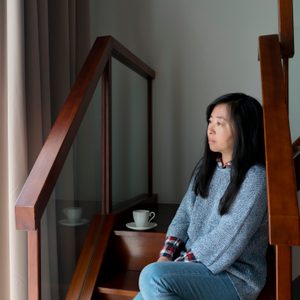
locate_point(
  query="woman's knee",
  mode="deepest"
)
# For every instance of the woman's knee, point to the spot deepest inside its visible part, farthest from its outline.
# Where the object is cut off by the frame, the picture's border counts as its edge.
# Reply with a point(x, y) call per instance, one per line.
point(151, 274)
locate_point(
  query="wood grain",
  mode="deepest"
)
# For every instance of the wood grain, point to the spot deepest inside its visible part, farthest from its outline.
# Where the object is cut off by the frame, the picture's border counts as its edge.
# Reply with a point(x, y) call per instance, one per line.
point(286, 27)
point(39, 185)
point(91, 257)
point(281, 181)
point(34, 265)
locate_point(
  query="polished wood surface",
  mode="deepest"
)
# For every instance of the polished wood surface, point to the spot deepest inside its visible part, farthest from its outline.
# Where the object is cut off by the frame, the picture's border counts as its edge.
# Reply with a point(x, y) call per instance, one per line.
point(137, 249)
point(97, 259)
point(39, 185)
point(122, 54)
point(106, 157)
point(283, 272)
point(87, 253)
point(90, 260)
point(286, 27)
point(131, 250)
point(34, 265)
point(123, 284)
point(281, 163)
point(296, 157)
point(282, 196)
point(150, 137)
point(129, 253)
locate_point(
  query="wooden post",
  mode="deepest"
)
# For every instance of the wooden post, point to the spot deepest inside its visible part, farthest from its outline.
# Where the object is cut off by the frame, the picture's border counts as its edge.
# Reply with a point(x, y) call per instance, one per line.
point(283, 272)
point(106, 199)
point(149, 112)
point(34, 265)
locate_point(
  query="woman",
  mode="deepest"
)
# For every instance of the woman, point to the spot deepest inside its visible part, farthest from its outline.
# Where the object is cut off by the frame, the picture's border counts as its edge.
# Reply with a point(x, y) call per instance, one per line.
point(216, 244)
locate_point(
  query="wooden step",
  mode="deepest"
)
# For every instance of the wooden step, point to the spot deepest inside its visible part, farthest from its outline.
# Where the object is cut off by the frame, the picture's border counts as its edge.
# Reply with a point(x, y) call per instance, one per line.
point(129, 253)
point(137, 249)
point(124, 285)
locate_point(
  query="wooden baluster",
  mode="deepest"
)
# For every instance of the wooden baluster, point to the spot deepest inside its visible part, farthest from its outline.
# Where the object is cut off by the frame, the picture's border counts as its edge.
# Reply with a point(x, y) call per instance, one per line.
point(34, 265)
point(150, 164)
point(106, 140)
point(285, 68)
point(286, 27)
point(283, 272)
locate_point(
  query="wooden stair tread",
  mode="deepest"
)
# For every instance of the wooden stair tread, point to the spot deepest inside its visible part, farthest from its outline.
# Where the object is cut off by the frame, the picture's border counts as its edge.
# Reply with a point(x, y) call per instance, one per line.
point(123, 283)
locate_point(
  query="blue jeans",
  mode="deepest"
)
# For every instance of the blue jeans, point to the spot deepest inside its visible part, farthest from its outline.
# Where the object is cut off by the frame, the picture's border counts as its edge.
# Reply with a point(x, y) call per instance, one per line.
point(184, 281)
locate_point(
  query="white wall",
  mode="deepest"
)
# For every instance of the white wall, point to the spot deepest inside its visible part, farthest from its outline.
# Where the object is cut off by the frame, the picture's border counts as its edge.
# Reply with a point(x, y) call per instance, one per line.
point(199, 50)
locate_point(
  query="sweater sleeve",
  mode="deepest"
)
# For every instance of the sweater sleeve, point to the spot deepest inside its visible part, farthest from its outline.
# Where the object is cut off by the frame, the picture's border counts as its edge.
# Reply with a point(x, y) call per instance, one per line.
point(180, 223)
point(223, 245)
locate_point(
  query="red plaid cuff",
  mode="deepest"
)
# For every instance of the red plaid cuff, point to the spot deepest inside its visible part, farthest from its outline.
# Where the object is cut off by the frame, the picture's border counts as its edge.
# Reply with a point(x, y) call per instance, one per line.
point(186, 256)
point(171, 245)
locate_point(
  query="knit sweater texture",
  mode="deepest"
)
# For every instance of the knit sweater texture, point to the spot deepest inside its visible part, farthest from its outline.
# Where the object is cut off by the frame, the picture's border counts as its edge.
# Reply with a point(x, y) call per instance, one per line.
point(235, 242)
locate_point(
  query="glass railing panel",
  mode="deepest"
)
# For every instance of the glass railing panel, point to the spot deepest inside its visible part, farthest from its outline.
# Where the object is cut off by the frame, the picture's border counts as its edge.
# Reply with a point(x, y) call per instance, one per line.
point(74, 201)
point(129, 134)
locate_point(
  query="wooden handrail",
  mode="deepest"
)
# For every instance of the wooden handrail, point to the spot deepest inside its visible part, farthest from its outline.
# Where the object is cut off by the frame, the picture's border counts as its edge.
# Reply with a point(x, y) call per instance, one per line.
point(91, 258)
point(283, 212)
point(286, 27)
point(281, 183)
point(38, 187)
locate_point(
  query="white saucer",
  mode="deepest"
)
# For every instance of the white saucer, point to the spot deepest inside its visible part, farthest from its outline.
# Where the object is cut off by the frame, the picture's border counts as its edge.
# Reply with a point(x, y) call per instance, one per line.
point(66, 222)
point(132, 225)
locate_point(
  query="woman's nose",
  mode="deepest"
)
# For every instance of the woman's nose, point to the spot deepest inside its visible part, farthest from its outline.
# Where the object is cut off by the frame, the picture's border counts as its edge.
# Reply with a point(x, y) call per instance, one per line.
point(210, 129)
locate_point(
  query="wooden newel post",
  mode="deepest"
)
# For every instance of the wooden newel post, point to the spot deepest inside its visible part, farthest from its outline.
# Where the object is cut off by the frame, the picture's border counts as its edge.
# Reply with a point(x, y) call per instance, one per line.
point(34, 265)
point(283, 272)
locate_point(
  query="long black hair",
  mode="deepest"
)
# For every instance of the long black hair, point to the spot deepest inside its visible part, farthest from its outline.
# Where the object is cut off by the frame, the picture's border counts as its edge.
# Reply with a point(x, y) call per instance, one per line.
point(248, 150)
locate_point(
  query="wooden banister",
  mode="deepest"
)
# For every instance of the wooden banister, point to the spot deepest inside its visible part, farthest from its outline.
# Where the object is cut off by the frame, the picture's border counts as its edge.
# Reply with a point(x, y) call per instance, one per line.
point(40, 183)
point(283, 212)
point(282, 197)
point(286, 27)
point(126, 57)
point(38, 187)
point(34, 262)
point(90, 260)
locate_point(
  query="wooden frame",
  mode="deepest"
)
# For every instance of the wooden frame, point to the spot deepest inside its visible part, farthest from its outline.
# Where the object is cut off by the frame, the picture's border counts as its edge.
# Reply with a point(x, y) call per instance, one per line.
point(286, 27)
point(283, 210)
point(106, 139)
point(40, 183)
point(38, 187)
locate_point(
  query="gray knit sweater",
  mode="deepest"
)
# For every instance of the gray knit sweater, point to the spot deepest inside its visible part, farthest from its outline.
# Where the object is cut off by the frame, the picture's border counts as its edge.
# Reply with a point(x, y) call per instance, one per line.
point(235, 242)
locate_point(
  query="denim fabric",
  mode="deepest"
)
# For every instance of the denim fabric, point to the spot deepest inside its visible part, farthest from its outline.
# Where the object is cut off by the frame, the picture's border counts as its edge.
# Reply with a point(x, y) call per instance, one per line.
point(184, 281)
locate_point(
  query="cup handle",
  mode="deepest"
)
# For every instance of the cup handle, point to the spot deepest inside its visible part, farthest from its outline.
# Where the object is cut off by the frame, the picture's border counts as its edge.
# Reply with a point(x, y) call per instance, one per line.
point(152, 216)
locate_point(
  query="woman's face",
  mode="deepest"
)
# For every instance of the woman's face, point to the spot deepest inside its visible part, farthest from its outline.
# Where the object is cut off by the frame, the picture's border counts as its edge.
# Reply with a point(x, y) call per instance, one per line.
point(220, 132)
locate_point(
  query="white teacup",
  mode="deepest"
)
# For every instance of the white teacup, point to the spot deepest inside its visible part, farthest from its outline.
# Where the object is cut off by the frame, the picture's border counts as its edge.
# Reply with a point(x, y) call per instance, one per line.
point(73, 214)
point(143, 217)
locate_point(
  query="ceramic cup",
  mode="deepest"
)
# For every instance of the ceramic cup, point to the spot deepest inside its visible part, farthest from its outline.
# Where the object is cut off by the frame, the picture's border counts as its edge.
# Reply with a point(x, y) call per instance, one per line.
point(73, 214)
point(142, 217)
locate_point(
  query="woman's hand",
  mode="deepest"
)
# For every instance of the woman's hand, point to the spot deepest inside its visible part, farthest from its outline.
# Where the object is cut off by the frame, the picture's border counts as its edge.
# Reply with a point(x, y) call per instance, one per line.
point(163, 258)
